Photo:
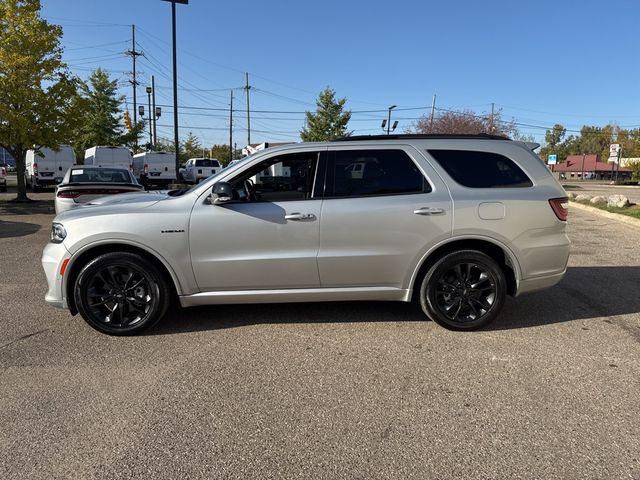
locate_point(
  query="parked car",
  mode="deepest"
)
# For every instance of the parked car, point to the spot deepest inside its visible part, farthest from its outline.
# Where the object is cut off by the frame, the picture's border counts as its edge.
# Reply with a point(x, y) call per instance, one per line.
point(85, 183)
point(3, 179)
point(46, 167)
point(154, 168)
point(198, 169)
point(455, 223)
point(116, 157)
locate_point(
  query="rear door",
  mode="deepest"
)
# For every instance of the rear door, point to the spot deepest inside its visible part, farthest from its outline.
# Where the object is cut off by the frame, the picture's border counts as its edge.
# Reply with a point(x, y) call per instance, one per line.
point(384, 207)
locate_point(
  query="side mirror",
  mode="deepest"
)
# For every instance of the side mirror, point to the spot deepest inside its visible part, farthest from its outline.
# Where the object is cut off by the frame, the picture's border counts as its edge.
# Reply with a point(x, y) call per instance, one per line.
point(221, 193)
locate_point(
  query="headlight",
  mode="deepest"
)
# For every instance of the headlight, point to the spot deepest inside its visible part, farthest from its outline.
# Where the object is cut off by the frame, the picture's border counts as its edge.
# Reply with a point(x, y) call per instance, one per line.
point(58, 233)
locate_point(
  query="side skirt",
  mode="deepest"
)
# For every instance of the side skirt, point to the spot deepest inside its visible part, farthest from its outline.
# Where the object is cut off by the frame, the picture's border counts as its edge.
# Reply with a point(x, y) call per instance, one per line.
point(297, 295)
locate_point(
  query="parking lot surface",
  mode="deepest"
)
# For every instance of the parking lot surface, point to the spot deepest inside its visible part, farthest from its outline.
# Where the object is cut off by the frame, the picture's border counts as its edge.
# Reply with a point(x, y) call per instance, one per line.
point(335, 390)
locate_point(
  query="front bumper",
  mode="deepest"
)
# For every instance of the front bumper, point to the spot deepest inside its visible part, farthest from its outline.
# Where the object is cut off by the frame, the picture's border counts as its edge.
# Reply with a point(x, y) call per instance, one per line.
point(52, 257)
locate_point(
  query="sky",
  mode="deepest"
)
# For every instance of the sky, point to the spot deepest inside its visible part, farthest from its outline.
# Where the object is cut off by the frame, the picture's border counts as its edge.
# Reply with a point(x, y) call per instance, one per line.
point(539, 62)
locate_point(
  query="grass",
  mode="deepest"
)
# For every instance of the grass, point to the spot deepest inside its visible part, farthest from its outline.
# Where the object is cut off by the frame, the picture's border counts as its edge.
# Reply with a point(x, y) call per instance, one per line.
point(631, 211)
point(34, 207)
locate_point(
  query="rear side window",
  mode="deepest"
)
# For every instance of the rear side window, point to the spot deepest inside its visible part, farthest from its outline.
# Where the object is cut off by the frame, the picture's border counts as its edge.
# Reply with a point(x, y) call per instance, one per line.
point(207, 163)
point(481, 169)
point(358, 173)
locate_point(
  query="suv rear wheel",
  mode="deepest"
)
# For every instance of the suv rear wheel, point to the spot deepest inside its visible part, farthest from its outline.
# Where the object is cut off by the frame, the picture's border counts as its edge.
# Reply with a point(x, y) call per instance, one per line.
point(121, 293)
point(463, 290)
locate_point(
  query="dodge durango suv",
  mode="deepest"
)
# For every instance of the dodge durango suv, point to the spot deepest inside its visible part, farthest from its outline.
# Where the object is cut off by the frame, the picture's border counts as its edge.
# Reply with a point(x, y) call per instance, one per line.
point(454, 223)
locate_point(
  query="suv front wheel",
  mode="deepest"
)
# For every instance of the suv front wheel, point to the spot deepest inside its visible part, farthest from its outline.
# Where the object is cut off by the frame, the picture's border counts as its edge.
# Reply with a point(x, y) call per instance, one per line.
point(121, 293)
point(463, 290)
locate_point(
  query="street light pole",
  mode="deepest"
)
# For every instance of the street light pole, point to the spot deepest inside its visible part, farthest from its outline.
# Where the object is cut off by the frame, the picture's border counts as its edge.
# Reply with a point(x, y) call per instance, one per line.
point(149, 90)
point(175, 83)
point(153, 112)
point(389, 120)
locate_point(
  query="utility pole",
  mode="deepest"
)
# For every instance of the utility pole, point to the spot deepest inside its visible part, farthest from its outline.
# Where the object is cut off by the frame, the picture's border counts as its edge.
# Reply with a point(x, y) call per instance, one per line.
point(133, 53)
point(433, 111)
point(176, 138)
point(491, 125)
point(231, 128)
point(247, 87)
point(153, 112)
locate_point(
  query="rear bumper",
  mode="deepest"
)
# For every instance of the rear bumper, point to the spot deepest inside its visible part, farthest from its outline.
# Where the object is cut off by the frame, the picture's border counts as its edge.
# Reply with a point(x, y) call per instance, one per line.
point(47, 181)
point(539, 283)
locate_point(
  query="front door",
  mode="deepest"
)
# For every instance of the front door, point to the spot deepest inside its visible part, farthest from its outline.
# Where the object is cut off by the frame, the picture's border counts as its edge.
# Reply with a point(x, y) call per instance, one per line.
point(267, 238)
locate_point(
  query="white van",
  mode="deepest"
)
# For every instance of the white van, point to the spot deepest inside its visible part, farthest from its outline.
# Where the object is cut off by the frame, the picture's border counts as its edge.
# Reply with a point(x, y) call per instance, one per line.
point(119, 157)
point(46, 167)
point(155, 168)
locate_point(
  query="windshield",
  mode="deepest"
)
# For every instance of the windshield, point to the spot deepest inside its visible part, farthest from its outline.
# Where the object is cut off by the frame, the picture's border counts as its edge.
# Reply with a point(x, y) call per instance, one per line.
point(101, 175)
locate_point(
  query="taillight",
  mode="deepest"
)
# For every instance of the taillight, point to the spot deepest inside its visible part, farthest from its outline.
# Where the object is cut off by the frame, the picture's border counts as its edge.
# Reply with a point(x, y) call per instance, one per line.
point(35, 169)
point(79, 193)
point(560, 207)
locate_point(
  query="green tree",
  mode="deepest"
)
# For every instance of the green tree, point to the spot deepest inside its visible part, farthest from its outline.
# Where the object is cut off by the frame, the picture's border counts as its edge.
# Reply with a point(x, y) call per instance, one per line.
point(103, 122)
point(222, 153)
point(329, 121)
point(39, 104)
point(192, 148)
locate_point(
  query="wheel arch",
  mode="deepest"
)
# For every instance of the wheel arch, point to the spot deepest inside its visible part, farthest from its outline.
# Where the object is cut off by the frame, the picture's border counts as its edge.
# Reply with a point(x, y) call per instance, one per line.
point(499, 252)
point(86, 254)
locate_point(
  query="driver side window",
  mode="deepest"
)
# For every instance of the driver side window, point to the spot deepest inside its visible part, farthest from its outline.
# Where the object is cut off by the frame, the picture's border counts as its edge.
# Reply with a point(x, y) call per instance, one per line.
point(276, 179)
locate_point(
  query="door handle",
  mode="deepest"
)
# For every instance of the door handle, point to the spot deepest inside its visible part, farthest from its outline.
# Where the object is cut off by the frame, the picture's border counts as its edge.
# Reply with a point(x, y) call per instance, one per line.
point(429, 211)
point(300, 217)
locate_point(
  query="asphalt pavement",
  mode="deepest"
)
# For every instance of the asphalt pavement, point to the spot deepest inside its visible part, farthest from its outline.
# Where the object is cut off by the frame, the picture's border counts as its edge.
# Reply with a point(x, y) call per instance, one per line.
point(335, 390)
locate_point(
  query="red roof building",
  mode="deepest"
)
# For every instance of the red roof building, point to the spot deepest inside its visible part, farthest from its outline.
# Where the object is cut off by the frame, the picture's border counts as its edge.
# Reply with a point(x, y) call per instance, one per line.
point(592, 167)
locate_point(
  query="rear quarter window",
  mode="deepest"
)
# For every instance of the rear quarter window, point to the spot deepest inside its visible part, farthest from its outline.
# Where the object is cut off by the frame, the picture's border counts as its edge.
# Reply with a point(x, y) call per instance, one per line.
point(475, 169)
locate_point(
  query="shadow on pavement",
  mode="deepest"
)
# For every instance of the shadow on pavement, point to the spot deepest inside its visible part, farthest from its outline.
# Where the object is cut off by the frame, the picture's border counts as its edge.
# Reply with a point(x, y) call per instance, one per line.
point(17, 229)
point(28, 208)
point(585, 293)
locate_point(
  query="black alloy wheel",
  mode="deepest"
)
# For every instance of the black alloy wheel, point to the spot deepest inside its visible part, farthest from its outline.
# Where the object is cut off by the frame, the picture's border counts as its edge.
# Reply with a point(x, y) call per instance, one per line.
point(463, 290)
point(121, 294)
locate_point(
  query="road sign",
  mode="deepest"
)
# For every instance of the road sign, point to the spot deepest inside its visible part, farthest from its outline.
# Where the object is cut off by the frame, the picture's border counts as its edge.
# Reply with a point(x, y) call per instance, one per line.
point(614, 152)
point(552, 159)
point(614, 148)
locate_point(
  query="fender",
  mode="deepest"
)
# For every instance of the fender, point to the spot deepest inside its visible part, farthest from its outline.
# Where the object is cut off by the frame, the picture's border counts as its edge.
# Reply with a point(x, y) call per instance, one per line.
point(121, 241)
point(510, 255)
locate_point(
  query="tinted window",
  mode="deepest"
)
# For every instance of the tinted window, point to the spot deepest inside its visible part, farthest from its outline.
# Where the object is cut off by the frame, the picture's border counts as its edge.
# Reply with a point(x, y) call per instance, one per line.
point(481, 169)
point(101, 175)
point(357, 173)
point(281, 178)
point(207, 163)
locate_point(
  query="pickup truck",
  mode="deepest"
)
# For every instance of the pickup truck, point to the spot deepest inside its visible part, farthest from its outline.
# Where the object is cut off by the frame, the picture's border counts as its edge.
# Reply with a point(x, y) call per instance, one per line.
point(197, 169)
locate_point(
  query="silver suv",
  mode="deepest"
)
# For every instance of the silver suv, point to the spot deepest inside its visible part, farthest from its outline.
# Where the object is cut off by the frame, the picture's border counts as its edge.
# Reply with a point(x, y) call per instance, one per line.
point(453, 222)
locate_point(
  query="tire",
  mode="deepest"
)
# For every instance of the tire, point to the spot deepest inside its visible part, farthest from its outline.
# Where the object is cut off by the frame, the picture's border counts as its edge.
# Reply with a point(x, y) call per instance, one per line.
point(463, 290)
point(121, 293)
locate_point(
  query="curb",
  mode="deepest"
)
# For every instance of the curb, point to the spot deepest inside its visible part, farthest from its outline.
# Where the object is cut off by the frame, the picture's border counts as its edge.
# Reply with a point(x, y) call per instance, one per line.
point(603, 213)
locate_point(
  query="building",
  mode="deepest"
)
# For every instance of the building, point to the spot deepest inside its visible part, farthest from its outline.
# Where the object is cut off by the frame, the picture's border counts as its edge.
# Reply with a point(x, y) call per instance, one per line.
point(575, 166)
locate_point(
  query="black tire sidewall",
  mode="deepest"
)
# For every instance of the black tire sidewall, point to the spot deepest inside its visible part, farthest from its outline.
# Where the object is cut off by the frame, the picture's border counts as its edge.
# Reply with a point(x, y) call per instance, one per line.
point(444, 263)
point(127, 259)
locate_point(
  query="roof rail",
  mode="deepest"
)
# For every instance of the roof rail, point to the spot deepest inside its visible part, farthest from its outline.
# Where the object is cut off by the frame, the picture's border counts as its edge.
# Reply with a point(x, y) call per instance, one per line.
point(423, 136)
